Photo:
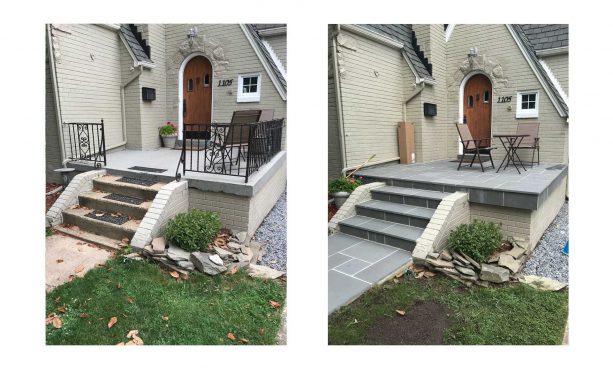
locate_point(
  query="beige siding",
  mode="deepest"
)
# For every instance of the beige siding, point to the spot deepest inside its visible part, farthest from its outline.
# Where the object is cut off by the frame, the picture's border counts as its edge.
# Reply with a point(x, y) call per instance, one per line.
point(53, 158)
point(559, 66)
point(279, 45)
point(335, 164)
point(131, 101)
point(89, 77)
point(499, 48)
point(374, 87)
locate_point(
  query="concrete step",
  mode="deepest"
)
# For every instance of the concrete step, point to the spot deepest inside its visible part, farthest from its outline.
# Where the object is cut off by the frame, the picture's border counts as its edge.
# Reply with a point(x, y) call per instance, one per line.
point(410, 196)
point(110, 184)
point(99, 240)
point(76, 216)
point(97, 200)
point(381, 231)
point(395, 212)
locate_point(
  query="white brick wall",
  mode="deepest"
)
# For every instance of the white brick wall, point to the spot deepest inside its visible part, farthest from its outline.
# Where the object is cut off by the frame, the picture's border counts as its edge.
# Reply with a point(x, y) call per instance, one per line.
point(359, 195)
point(70, 196)
point(265, 199)
point(544, 215)
point(171, 200)
point(233, 210)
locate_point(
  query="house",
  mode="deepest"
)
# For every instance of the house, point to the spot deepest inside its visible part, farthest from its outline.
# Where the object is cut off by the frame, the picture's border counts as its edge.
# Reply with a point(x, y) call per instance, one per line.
point(110, 87)
point(430, 78)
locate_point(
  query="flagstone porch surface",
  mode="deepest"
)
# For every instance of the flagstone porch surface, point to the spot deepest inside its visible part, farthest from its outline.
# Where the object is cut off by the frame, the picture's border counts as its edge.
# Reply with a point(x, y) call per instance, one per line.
point(355, 265)
point(506, 188)
point(119, 162)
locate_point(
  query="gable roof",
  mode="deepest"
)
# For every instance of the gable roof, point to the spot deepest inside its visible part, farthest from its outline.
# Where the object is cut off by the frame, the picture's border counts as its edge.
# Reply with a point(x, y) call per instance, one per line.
point(542, 75)
point(546, 36)
point(404, 34)
point(133, 44)
point(267, 60)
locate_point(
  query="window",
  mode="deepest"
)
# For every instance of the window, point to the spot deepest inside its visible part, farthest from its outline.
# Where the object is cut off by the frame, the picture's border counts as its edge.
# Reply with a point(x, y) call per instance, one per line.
point(206, 80)
point(190, 85)
point(486, 97)
point(527, 104)
point(470, 101)
point(249, 87)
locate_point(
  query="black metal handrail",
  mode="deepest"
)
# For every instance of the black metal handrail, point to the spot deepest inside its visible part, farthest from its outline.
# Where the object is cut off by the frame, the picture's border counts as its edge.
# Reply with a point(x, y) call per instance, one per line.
point(84, 142)
point(229, 149)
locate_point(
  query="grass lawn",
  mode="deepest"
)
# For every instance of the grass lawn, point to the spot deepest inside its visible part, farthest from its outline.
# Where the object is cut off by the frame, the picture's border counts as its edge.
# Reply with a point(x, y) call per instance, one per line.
point(201, 310)
point(509, 315)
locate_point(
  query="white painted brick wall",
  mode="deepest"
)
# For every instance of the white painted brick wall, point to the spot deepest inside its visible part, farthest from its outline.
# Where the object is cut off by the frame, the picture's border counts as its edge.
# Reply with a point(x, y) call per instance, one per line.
point(265, 199)
point(70, 196)
point(359, 195)
point(171, 200)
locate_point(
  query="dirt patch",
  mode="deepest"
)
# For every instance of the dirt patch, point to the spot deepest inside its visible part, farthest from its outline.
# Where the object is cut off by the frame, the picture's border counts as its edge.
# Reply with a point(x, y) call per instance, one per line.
point(50, 199)
point(331, 211)
point(423, 324)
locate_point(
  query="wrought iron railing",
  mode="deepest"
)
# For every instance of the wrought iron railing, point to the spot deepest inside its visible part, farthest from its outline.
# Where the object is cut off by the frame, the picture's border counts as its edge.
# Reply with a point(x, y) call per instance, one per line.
point(229, 149)
point(84, 142)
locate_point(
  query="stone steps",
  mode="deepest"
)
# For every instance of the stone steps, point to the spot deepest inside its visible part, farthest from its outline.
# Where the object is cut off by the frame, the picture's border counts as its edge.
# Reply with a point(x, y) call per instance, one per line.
point(410, 196)
point(76, 216)
point(110, 183)
point(381, 231)
point(98, 201)
point(394, 212)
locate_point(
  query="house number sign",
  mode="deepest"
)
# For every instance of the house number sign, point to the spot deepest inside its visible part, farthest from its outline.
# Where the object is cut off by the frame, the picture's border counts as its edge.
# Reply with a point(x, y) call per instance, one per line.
point(225, 83)
point(504, 99)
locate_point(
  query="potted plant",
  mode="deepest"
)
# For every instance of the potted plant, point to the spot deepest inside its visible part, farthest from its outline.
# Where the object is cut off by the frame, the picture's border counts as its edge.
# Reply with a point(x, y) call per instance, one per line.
point(168, 133)
point(342, 187)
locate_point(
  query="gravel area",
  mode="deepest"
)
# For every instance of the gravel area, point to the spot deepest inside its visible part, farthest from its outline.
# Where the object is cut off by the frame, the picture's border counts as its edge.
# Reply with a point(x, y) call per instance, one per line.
point(547, 259)
point(273, 232)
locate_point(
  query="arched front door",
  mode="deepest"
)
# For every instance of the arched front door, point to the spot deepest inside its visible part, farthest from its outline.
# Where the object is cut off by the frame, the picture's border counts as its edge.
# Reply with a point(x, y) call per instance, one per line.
point(197, 92)
point(478, 106)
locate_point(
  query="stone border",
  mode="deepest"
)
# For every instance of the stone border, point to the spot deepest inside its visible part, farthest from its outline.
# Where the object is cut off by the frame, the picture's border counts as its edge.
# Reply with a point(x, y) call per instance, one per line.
point(171, 200)
point(70, 196)
point(451, 212)
point(359, 195)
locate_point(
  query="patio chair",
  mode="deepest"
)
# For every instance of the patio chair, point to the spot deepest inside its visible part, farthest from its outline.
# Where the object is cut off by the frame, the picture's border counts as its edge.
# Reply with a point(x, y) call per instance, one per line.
point(227, 137)
point(531, 141)
point(476, 147)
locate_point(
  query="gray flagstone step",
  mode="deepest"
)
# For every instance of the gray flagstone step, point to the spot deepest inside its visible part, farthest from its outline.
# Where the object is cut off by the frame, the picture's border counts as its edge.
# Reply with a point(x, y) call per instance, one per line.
point(98, 201)
point(396, 212)
point(109, 183)
point(77, 216)
point(410, 196)
point(381, 231)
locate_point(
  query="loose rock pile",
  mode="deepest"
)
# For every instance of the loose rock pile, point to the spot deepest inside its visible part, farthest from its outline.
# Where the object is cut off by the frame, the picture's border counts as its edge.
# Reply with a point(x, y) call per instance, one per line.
point(501, 267)
point(227, 254)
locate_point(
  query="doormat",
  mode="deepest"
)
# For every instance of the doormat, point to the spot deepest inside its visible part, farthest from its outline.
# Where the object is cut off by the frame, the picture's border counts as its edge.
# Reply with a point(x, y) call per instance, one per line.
point(143, 182)
point(124, 198)
point(113, 218)
point(148, 169)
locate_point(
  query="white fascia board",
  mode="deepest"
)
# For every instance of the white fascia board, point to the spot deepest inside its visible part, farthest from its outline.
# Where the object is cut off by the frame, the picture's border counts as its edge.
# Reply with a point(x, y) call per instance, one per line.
point(273, 31)
point(110, 26)
point(262, 58)
point(275, 58)
point(551, 52)
point(536, 73)
point(449, 31)
point(134, 59)
point(554, 80)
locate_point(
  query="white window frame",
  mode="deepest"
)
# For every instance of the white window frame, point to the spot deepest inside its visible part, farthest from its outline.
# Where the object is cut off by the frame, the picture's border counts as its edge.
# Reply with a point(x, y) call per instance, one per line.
point(527, 113)
point(252, 96)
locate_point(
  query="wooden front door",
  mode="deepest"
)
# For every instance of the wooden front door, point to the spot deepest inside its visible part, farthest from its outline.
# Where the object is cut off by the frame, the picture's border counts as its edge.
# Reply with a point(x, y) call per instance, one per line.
point(478, 107)
point(197, 92)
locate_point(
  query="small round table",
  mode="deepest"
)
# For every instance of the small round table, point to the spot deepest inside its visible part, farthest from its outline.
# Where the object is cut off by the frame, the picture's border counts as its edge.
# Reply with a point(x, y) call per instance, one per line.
point(510, 142)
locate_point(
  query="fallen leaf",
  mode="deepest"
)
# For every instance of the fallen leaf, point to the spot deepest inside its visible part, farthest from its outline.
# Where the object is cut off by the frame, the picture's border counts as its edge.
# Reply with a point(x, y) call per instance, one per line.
point(174, 274)
point(57, 300)
point(110, 269)
point(400, 312)
point(75, 228)
point(130, 301)
point(119, 285)
point(121, 344)
point(137, 340)
point(61, 309)
point(131, 342)
point(428, 274)
point(99, 214)
point(419, 275)
point(164, 318)
point(132, 333)
point(233, 270)
point(112, 321)
point(399, 275)
point(59, 260)
point(261, 332)
point(274, 304)
point(231, 336)
point(244, 340)
point(57, 323)
point(79, 268)
point(83, 315)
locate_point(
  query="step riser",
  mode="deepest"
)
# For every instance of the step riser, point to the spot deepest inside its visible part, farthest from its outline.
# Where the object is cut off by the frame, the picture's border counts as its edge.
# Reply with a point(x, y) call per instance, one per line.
point(135, 212)
point(147, 194)
point(393, 217)
point(98, 227)
point(378, 237)
point(403, 199)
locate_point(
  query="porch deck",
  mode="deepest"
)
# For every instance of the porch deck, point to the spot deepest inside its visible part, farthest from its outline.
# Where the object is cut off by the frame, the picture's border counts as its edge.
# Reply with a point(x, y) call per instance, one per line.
point(507, 188)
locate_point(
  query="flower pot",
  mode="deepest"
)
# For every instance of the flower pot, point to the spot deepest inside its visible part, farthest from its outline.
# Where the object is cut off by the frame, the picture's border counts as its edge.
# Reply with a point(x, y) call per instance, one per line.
point(340, 198)
point(169, 140)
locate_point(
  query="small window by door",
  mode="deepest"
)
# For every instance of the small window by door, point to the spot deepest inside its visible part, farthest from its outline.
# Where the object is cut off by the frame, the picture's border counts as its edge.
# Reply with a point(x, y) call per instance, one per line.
point(470, 101)
point(206, 80)
point(486, 97)
point(190, 85)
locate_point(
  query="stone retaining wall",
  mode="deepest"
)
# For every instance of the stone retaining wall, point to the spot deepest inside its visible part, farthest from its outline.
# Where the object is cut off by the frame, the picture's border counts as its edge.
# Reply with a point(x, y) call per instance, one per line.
point(70, 196)
point(359, 195)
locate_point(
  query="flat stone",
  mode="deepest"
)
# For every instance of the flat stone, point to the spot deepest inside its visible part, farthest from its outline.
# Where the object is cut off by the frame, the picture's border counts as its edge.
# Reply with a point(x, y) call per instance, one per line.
point(241, 237)
point(224, 254)
point(471, 261)
point(148, 249)
point(448, 271)
point(516, 252)
point(159, 245)
point(457, 256)
point(458, 263)
point(482, 283)
point(248, 252)
point(446, 255)
point(203, 263)
point(234, 247)
point(215, 258)
point(493, 273)
point(509, 262)
point(186, 265)
point(177, 254)
point(469, 278)
point(134, 256)
point(465, 270)
point(240, 257)
point(542, 283)
point(520, 242)
point(258, 250)
point(433, 255)
point(173, 267)
point(439, 263)
point(493, 258)
point(263, 272)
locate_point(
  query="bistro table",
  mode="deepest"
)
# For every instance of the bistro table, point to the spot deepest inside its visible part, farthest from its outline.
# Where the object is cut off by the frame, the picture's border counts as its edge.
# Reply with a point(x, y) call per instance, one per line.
point(510, 142)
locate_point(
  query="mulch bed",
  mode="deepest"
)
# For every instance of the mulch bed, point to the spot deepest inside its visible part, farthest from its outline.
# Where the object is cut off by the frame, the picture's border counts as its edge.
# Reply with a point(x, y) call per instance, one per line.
point(423, 324)
point(50, 199)
point(331, 211)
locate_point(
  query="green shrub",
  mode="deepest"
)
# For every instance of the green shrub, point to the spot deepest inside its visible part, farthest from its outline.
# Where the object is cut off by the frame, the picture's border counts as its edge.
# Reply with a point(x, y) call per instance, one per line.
point(344, 184)
point(194, 230)
point(478, 240)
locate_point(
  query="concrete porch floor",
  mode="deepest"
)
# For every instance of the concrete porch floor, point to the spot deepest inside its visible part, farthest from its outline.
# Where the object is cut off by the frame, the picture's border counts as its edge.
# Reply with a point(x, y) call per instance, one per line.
point(355, 265)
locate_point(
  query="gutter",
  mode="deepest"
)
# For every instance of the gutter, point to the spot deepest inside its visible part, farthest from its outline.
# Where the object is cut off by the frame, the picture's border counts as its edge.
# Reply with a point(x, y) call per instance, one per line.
point(56, 96)
point(123, 109)
point(339, 103)
point(422, 82)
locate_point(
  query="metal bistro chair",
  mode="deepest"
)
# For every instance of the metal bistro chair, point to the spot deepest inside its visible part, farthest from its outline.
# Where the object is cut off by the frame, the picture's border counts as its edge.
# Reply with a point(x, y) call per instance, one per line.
point(225, 138)
point(531, 141)
point(476, 147)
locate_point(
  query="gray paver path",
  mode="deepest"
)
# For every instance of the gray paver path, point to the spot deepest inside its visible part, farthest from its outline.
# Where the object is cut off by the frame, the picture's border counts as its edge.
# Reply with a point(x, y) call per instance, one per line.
point(355, 265)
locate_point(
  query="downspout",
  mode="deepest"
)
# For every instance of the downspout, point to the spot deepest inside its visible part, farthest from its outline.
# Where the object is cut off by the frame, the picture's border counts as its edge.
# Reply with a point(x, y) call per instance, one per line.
point(56, 95)
point(122, 91)
point(411, 97)
point(339, 104)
